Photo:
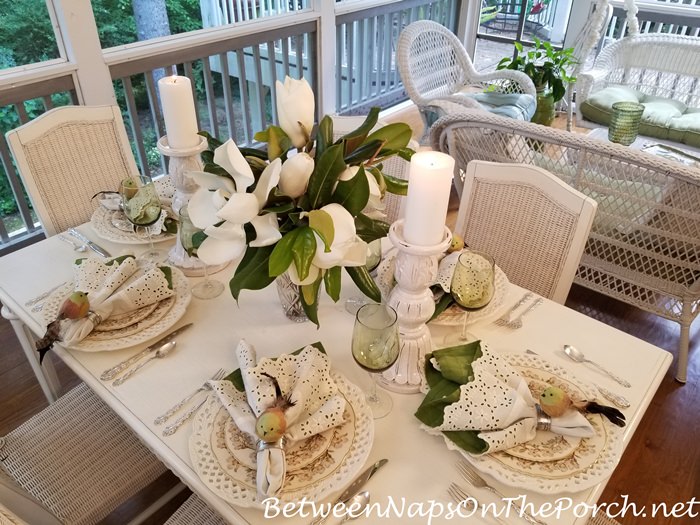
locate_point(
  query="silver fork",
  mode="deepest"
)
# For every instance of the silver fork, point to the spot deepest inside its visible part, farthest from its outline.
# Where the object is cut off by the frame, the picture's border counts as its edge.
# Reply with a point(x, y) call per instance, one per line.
point(505, 318)
point(220, 374)
point(478, 482)
point(459, 495)
point(518, 321)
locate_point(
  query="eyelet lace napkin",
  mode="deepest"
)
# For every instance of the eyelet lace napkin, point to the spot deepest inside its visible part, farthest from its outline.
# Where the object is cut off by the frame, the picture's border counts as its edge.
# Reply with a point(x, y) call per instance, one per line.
point(305, 378)
point(103, 282)
point(483, 404)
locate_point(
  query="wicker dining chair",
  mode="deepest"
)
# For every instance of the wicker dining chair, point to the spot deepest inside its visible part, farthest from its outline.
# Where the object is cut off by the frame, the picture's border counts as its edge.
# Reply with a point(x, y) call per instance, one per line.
point(76, 461)
point(195, 512)
point(533, 224)
point(66, 156)
point(440, 78)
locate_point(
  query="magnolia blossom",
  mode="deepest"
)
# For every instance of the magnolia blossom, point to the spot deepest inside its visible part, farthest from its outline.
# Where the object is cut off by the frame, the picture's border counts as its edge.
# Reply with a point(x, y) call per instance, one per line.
point(375, 205)
point(295, 174)
point(347, 249)
point(295, 109)
point(221, 210)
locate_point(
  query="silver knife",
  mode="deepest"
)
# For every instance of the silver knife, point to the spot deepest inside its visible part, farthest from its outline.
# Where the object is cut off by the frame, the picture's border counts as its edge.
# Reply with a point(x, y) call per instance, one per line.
point(109, 374)
point(352, 489)
point(94, 247)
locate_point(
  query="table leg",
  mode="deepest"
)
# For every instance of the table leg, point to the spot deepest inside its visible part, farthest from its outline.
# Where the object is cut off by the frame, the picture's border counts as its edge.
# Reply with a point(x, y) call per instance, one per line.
point(45, 373)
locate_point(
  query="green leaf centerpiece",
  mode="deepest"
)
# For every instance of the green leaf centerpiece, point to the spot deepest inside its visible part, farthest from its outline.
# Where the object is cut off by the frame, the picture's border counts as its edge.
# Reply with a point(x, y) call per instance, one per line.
point(306, 205)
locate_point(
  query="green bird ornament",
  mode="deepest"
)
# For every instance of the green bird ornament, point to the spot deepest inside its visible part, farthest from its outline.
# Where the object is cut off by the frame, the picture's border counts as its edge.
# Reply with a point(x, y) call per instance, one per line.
point(76, 306)
point(555, 402)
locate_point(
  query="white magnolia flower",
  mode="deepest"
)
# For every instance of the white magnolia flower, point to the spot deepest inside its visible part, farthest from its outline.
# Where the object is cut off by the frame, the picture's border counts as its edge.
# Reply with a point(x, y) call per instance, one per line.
point(295, 174)
point(221, 212)
point(375, 205)
point(295, 109)
point(347, 249)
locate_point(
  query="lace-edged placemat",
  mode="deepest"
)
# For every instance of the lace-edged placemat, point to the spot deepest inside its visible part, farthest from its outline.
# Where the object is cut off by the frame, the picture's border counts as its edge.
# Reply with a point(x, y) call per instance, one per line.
point(549, 464)
point(166, 314)
point(317, 466)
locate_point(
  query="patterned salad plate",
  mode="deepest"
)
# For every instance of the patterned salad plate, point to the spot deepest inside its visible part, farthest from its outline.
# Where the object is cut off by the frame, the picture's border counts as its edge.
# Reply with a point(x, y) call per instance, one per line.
point(224, 458)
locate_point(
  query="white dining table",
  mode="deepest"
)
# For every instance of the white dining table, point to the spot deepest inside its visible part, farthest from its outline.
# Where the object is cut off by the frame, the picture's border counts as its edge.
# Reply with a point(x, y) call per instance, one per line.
point(420, 466)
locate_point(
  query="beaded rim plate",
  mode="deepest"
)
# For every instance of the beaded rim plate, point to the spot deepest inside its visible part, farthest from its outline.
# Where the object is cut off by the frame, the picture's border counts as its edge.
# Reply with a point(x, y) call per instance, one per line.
point(124, 338)
point(331, 470)
point(101, 222)
point(593, 460)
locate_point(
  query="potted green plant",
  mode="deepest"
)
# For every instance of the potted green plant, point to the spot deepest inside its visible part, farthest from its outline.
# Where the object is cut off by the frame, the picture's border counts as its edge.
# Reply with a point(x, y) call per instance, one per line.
point(548, 68)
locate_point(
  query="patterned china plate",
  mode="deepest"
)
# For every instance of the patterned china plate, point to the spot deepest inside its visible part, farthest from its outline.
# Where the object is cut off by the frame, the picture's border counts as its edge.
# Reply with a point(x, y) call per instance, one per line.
point(165, 315)
point(549, 465)
point(339, 461)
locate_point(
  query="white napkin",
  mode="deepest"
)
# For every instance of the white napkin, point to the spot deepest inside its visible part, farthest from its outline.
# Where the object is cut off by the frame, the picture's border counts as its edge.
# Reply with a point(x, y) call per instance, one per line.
point(103, 283)
point(305, 377)
point(498, 403)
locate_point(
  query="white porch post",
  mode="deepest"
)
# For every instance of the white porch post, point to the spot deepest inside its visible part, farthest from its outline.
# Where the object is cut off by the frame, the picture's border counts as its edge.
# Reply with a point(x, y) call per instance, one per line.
point(468, 24)
point(78, 31)
point(325, 96)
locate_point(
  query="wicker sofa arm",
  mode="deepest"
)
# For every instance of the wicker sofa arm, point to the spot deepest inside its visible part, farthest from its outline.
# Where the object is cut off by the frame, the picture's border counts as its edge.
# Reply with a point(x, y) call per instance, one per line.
point(507, 81)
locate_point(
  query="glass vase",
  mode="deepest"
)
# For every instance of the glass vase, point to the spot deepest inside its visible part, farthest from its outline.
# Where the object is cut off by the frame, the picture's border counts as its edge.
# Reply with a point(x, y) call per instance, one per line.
point(624, 124)
point(290, 298)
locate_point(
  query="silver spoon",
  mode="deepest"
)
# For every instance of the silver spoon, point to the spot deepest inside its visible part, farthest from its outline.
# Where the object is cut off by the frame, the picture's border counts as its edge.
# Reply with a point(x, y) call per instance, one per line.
point(161, 352)
point(359, 501)
point(76, 246)
point(576, 355)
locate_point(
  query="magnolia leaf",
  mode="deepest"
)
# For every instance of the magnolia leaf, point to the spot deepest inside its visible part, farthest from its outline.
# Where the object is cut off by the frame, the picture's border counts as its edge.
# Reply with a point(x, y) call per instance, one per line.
point(207, 157)
point(355, 138)
point(322, 223)
point(252, 272)
point(370, 229)
point(281, 256)
point(353, 194)
point(368, 150)
point(361, 277)
point(309, 300)
point(326, 172)
point(324, 135)
point(253, 152)
point(395, 136)
point(212, 142)
point(331, 279)
point(395, 185)
point(217, 170)
point(278, 143)
point(303, 251)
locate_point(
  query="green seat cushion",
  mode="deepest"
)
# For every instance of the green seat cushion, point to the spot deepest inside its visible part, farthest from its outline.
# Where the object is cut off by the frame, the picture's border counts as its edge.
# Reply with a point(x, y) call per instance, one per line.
point(663, 118)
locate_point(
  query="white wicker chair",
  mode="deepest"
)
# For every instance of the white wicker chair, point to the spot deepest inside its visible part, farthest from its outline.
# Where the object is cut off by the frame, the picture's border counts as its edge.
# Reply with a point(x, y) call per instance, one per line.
point(67, 155)
point(440, 78)
point(644, 246)
point(533, 224)
point(79, 460)
point(195, 512)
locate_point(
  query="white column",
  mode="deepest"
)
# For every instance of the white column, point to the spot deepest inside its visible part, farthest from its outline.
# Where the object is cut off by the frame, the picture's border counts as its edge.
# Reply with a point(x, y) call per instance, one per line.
point(78, 32)
point(468, 24)
point(325, 51)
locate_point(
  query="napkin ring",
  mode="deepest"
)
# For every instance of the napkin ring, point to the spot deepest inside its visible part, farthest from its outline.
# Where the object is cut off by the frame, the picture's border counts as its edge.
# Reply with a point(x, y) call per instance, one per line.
point(544, 422)
point(94, 317)
point(264, 445)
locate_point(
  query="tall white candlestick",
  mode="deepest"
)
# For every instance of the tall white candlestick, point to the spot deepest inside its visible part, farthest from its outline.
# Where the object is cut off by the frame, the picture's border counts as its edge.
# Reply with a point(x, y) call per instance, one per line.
point(178, 112)
point(429, 184)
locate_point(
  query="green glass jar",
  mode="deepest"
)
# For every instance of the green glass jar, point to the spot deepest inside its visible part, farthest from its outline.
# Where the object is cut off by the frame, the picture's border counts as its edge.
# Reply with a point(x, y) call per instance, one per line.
point(624, 125)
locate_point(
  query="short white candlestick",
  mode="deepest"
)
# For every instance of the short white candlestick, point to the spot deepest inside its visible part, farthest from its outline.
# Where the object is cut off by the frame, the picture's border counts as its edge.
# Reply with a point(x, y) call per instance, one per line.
point(182, 161)
point(416, 269)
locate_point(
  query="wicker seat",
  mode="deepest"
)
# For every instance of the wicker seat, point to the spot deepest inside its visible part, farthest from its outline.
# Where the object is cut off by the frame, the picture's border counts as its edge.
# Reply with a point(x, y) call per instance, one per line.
point(66, 156)
point(195, 512)
point(644, 246)
point(440, 78)
point(78, 459)
point(533, 224)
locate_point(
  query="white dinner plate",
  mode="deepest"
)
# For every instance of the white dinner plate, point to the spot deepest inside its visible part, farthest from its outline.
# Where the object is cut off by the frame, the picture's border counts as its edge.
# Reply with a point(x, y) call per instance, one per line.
point(339, 462)
point(102, 223)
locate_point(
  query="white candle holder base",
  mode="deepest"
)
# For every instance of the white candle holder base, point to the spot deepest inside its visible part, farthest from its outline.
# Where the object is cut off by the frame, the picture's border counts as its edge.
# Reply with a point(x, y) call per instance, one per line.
point(416, 269)
point(182, 161)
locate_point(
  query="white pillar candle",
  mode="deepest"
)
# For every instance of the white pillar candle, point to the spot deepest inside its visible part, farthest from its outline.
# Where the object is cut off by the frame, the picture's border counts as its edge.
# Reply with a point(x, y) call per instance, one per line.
point(429, 184)
point(178, 112)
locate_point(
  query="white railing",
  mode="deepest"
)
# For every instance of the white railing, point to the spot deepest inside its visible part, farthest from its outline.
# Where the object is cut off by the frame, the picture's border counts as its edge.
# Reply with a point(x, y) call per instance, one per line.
point(661, 16)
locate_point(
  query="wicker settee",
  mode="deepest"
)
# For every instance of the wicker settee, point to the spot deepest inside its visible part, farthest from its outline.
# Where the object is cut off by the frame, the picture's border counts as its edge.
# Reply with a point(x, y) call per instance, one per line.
point(657, 70)
point(644, 246)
